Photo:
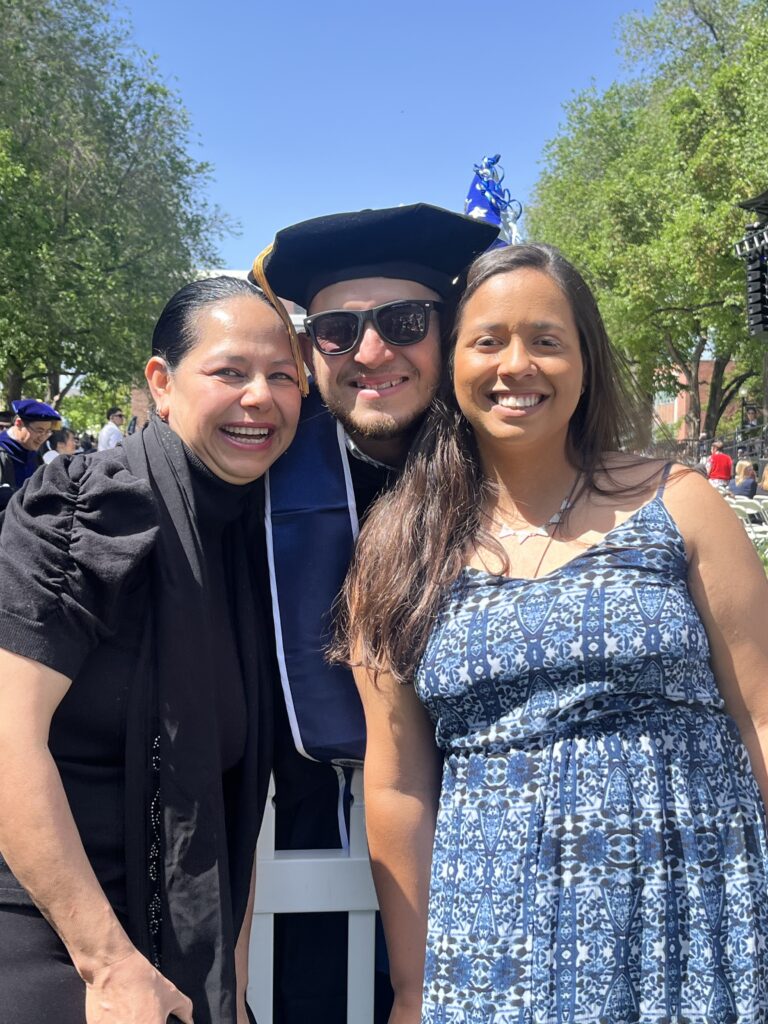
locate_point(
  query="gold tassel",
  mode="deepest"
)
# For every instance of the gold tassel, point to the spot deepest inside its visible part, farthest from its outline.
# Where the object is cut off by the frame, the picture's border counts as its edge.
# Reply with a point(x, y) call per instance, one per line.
point(261, 280)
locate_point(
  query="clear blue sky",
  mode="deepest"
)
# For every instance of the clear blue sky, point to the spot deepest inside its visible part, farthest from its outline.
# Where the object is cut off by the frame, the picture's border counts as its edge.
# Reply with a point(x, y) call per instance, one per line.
point(307, 107)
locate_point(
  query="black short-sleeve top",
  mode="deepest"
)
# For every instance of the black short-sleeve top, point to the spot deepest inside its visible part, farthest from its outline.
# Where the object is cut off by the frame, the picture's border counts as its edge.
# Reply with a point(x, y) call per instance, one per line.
point(73, 591)
point(75, 595)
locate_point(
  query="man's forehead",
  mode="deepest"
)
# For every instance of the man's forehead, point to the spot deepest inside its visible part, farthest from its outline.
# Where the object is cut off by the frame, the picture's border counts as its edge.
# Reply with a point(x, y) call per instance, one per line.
point(365, 292)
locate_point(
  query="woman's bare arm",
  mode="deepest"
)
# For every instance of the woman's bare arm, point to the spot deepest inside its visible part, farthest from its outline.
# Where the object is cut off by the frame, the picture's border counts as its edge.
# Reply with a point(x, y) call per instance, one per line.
point(40, 842)
point(730, 590)
point(241, 951)
point(402, 784)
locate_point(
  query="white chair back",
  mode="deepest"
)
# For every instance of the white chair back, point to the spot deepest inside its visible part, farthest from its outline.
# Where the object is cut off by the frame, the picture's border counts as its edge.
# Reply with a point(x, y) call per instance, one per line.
point(315, 882)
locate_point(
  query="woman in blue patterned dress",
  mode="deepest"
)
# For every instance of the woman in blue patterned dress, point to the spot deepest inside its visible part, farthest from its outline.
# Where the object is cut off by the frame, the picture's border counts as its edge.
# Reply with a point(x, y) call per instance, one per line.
point(562, 652)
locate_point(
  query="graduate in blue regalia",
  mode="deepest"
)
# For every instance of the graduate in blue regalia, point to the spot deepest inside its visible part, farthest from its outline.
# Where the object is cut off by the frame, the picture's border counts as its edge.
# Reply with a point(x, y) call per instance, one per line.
point(33, 424)
point(375, 285)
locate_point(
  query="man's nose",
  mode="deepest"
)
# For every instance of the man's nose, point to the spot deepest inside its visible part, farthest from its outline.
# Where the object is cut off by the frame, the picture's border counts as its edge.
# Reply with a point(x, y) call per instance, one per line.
point(373, 351)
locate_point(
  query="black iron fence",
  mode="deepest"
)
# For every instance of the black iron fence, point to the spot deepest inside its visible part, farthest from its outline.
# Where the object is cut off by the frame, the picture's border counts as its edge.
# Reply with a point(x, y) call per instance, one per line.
point(749, 444)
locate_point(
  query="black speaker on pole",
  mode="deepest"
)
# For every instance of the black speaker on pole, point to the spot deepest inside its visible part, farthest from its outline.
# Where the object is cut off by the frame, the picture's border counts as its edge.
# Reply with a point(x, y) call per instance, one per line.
point(757, 294)
point(753, 249)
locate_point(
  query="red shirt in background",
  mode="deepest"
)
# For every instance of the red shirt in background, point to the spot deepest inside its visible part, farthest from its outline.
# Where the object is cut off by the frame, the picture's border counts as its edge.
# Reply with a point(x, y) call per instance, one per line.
point(720, 466)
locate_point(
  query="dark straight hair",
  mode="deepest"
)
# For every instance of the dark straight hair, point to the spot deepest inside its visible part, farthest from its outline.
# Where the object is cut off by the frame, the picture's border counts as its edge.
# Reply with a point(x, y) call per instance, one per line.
point(174, 333)
point(60, 436)
point(414, 543)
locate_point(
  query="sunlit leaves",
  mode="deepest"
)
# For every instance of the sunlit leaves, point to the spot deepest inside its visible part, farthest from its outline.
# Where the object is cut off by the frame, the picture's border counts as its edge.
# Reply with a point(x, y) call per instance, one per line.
point(111, 217)
point(640, 186)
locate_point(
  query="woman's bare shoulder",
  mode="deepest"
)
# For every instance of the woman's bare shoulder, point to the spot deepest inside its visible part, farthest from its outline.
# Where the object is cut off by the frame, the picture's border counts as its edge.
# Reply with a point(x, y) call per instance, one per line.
point(623, 471)
point(690, 495)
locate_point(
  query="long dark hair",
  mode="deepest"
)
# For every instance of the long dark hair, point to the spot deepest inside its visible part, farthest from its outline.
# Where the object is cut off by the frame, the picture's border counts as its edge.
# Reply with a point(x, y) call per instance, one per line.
point(414, 543)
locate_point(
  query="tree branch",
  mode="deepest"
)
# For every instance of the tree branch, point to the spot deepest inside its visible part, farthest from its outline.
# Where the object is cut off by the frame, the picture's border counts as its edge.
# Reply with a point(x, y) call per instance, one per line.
point(687, 309)
point(33, 376)
point(76, 375)
point(678, 359)
point(708, 24)
point(730, 389)
point(701, 344)
point(115, 267)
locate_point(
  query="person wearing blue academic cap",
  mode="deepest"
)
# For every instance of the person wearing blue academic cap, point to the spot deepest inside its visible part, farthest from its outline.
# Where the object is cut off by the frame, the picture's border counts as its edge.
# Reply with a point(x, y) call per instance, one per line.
point(33, 424)
point(375, 284)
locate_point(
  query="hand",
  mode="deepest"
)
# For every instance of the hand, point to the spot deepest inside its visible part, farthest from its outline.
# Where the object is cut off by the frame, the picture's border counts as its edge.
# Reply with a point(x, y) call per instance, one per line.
point(131, 991)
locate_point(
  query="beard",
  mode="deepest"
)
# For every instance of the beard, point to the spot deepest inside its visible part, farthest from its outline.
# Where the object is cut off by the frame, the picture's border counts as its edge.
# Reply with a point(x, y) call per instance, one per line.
point(378, 426)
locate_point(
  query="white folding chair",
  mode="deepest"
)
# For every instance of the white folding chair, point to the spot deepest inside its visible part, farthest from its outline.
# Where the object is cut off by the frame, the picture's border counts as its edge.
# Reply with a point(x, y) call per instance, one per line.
point(315, 881)
point(745, 509)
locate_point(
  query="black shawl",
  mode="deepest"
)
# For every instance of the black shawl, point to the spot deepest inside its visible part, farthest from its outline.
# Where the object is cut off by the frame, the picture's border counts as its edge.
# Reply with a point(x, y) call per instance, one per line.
point(181, 866)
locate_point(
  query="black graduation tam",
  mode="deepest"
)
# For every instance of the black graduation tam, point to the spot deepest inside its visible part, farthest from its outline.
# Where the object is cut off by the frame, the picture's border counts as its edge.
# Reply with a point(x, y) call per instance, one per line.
point(414, 243)
point(31, 409)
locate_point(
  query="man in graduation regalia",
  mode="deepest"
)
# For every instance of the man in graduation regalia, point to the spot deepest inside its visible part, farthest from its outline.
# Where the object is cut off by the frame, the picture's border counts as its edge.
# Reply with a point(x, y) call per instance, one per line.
point(33, 424)
point(374, 284)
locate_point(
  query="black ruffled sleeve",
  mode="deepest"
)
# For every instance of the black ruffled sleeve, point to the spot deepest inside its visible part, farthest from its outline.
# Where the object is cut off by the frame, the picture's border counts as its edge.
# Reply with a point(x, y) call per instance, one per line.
point(70, 540)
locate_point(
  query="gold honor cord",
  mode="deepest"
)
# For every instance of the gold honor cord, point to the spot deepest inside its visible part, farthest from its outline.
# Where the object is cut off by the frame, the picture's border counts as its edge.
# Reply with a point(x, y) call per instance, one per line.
point(261, 280)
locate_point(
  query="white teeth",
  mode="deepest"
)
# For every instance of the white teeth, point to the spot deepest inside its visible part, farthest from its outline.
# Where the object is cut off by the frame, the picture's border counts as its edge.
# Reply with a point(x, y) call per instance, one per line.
point(518, 401)
point(382, 386)
point(259, 432)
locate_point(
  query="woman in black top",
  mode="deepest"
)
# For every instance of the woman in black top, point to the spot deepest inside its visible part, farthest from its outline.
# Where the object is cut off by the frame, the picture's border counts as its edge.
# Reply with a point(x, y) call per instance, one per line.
point(135, 687)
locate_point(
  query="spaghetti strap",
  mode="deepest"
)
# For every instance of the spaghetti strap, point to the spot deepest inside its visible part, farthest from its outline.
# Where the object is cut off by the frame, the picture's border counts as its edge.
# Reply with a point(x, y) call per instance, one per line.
point(663, 481)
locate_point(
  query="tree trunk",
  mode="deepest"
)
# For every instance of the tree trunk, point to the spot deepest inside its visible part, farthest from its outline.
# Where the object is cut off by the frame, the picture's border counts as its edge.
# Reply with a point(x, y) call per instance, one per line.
point(731, 391)
point(714, 403)
point(689, 371)
point(693, 416)
point(53, 383)
point(12, 384)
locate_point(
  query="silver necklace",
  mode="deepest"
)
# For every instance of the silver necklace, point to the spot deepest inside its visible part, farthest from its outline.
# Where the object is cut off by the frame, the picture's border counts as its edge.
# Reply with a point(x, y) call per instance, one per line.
point(522, 534)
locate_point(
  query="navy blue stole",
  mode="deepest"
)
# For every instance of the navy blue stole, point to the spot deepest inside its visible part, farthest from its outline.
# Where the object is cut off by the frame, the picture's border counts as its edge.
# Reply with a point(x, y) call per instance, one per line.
point(311, 522)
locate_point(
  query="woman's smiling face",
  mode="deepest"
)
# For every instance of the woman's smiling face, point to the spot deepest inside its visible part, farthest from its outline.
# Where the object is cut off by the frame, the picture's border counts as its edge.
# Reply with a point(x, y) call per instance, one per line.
point(234, 397)
point(518, 370)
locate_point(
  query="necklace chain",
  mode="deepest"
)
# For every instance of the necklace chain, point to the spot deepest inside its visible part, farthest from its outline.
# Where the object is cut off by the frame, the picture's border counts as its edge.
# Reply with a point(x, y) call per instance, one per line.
point(524, 533)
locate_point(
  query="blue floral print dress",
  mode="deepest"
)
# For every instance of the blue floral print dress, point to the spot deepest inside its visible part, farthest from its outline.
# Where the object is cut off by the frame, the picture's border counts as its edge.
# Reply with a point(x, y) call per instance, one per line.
point(600, 853)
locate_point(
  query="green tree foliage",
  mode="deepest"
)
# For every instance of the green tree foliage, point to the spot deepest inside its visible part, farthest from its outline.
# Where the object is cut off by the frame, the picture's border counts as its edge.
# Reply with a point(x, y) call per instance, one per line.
point(87, 409)
point(102, 214)
point(640, 186)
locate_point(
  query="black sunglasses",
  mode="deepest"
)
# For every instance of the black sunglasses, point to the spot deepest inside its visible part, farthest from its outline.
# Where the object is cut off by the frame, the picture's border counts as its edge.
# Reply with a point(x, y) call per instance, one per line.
point(338, 331)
